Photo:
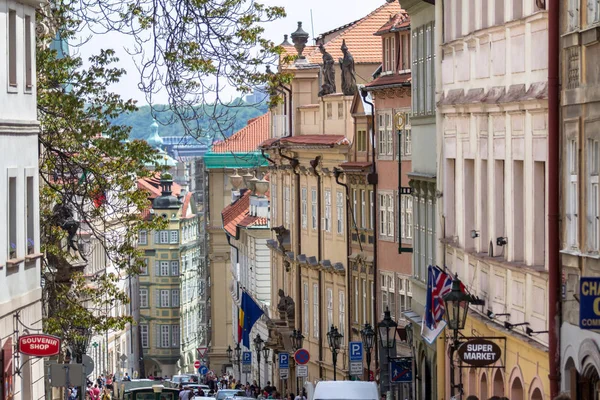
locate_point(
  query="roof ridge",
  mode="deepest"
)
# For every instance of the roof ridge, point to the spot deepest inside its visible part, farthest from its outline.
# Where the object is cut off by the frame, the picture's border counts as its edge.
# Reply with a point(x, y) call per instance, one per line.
point(357, 24)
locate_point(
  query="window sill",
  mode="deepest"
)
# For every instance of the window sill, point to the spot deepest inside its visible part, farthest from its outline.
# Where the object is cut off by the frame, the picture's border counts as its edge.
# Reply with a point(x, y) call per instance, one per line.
point(14, 262)
point(33, 256)
point(12, 89)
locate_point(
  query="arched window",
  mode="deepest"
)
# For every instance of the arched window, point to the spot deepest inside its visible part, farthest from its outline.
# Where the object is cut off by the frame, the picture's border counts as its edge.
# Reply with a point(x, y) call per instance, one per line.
point(483, 387)
point(516, 390)
point(537, 395)
point(498, 384)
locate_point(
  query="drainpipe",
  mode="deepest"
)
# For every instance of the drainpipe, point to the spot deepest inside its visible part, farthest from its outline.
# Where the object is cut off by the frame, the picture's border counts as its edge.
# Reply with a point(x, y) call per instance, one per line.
point(266, 157)
point(554, 308)
point(294, 163)
point(372, 179)
point(315, 163)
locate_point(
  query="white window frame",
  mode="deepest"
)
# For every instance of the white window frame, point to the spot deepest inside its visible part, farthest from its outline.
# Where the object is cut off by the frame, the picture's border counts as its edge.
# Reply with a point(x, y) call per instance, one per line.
point(572, 194)
point(364, 301)
point(305, 301)
point(304, 201)
point(165, 298)
point(327, 217)
point(372, 210)
point(356, 297)
point(363, 209)
point(593, 11)
point(385, 143)
point(175, 336)
point(143, 237)
point(165, 336)
point(164, 237)
point(315, 310)
point(144, 333)
point(593, 168)
point(382, 214)
point(144, 299)
point(175, 300)
point(286, 205)
point(164, 268)
point(274, 202)
point(391, 216)
point(174, 237)
point(313, 207)
point(355, 205)
point(342, 312)
point(339, 205)
point(406, 214)
point(329, 292)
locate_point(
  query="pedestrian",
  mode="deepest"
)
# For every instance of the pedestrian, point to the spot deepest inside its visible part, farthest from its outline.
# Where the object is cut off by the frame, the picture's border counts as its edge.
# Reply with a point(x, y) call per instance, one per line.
point(126, 378)
point(301, 396)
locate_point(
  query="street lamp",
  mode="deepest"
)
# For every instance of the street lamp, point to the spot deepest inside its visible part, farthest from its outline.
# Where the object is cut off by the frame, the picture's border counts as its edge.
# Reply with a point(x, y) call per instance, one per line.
point(80, 342)
point(229, 353)
point(368, 337)
point(387, 338)
point(334, 337)
point(457, 308)
point(297, 339)
point(258, 345)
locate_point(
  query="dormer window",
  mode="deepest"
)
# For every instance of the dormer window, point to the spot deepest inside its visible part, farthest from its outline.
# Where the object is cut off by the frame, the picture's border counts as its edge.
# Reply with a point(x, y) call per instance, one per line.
point(389, 54)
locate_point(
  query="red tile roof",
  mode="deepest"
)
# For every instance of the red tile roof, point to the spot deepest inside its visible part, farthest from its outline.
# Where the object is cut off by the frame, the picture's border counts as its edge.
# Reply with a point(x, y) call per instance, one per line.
point(152, 186)
point(397, 22)
point(246, 139)
point(392, 79)
point(238, 214)
point(186, 205)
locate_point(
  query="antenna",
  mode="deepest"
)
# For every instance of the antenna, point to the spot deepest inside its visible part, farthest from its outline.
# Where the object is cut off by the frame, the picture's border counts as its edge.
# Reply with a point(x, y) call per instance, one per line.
point(312, 27)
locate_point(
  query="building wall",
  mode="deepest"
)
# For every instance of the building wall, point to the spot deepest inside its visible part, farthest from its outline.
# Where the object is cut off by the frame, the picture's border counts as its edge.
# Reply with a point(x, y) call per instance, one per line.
point(20, 289)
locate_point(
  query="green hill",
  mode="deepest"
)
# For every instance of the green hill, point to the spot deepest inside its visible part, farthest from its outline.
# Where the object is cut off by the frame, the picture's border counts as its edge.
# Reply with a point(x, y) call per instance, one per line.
point(141, 120)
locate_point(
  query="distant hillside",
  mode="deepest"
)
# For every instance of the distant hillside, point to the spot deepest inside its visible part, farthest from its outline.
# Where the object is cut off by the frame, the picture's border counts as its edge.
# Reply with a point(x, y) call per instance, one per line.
point(141, 120)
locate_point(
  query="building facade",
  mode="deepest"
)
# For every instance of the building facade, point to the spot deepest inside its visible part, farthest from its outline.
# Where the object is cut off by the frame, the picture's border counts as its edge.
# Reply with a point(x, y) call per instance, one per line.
point(494, 105)
point(580, 354)
point(20, 290)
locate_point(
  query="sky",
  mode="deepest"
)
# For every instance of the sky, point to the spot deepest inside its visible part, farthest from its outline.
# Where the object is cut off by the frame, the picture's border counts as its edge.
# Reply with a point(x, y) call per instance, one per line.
point(326, 15)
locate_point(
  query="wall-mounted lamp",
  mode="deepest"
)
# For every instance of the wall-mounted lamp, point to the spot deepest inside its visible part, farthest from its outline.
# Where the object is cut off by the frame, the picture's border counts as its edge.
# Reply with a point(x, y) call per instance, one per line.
point(501, 241)
point(509, 326)
point(492, 315)
point(474, 234)
point(531, 332)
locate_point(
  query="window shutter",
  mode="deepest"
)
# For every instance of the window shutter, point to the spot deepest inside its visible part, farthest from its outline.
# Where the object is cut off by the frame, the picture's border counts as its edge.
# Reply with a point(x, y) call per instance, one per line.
point(156, 237)
point(157, 335)
point(157, 297)
point(156, 268)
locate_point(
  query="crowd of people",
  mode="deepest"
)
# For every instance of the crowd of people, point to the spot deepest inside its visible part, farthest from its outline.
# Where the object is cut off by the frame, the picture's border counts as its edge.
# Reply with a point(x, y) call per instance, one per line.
point(252, 389)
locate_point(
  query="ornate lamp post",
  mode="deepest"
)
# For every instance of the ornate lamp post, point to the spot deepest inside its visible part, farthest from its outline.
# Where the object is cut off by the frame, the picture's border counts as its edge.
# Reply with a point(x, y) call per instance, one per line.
point(258, 345)
point(80, 343)
point(334, 337)
point(238, 357)
point(457, 308)
point(297, 339)
point(387, 339)
point(368, 337)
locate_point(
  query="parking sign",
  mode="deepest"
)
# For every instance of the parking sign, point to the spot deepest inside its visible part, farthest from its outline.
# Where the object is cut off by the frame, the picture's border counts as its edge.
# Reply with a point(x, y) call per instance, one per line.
point(247, 358)
point(355, 351)
point(284, 360)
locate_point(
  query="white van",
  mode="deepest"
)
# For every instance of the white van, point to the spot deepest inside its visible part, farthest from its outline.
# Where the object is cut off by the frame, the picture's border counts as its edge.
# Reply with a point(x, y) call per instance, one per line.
point(345, 390)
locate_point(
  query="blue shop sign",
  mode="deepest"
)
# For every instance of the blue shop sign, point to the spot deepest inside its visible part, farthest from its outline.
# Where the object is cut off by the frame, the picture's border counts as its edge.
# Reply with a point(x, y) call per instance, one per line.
point(589, 303)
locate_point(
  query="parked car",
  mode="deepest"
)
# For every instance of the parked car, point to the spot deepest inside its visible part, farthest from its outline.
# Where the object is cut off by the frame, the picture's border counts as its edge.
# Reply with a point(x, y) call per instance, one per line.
point(223, 394)
point(345, 390)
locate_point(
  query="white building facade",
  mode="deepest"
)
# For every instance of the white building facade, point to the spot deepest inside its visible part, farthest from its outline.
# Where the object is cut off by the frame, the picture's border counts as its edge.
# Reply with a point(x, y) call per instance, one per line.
point(494, 162)
point(20, 288)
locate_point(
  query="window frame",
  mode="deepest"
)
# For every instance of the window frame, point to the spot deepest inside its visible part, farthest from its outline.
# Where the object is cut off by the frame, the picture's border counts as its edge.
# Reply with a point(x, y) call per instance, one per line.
point(339, 205)
point(315, 310)
point(165, 298)
point(327, 216)
point(304, 205)
point(145, 335)
point(144, 294)
point(165, 336)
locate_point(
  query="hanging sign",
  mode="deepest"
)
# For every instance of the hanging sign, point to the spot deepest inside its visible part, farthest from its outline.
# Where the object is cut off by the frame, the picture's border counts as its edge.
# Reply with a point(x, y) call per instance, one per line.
point(479, 352)
point(39, 345)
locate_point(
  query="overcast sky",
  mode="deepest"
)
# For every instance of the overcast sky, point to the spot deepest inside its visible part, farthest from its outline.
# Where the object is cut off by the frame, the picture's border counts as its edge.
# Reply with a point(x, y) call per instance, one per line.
point(327, 15)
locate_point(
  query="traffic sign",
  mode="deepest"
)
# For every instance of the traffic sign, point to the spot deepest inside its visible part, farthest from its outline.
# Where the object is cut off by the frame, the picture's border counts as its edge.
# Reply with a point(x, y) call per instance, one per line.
point(401, 369)
point(301, 371)
point(88, 364)
point(284, 360)
point(355, 351)
point(246, 368)
point(284, 373)
point(247, 358)
point(203, 370)
point(301, 357)
point(201, 351)
point(197, 364)
point(356, 368)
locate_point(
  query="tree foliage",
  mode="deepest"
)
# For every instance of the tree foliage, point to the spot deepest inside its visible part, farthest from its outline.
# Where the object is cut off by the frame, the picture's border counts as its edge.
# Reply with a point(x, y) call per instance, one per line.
point(88, 173)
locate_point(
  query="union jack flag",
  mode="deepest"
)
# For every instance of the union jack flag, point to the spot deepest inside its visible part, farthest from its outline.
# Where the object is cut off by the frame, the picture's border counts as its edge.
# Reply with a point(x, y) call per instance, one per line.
point(439, 284)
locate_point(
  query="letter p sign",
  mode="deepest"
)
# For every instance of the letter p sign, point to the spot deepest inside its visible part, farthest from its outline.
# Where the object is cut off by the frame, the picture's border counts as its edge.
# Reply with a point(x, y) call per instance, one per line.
point(356, 351)
point(284, 360)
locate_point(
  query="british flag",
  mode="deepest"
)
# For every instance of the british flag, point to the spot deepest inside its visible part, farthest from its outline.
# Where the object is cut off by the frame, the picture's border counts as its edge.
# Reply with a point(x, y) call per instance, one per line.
point(439, 284)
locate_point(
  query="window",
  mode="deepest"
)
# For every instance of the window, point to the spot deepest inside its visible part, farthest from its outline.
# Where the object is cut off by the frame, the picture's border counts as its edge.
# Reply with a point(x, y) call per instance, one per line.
point(274, 202)
point(354, 206)
point(406, 216)
point(384, 129)
point(572, 203)
point(12, 48)
point(356, 296)
point(329, 108)
point(164, 268)
point(406, 137)
point(364, 301)
point(30, 216)
point(329, 307)
point(499, 12)
point(175, 335)
point(144, 270)
point(313, 207)
point(165, 336)
point(144, 335)
point(371, 210)
point(361, 140)
point(339, 205)
point(384, 294)
point(174, 237)
point(175, 298)
point(382, 215)
point(12, 217)
point(305, 302)
point(423, 60)
point(573, 14)
point(363, 209)
point(389, 54)
point(143, 237)
point(328, 210)
point(386, 212)
point(340, 110)
point(164, 237)
point(174, 268)
point(342, 312)
point(392, 296)
point(593, 167)
point(143, 297)
point(286, 205)
point(315, 310)
point(304, 208)
point(28, 54)
point(405, 42)
point(164, 298)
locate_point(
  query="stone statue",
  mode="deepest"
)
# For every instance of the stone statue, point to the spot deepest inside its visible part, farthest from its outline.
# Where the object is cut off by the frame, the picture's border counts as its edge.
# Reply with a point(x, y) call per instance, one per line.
point(286, 306)
point(347, 66)
point(328, 86)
